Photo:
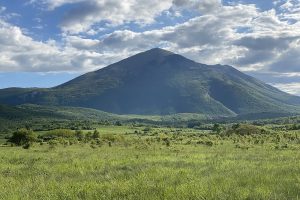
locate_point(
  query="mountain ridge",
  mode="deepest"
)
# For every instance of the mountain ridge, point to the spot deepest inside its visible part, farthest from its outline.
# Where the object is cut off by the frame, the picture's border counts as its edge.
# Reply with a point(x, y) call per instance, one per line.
point(161, 82)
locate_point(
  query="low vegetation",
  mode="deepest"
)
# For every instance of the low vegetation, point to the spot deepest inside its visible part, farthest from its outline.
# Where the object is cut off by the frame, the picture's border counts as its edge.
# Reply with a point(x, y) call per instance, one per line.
point(226, 161)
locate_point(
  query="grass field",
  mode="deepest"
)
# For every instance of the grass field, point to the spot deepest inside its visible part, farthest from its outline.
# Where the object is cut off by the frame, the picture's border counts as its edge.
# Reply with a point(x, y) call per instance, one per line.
point(141, 165)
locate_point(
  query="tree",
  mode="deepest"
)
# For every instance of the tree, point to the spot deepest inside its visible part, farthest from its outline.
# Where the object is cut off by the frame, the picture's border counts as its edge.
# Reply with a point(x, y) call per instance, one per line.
point(96, 134)
point(79, 134)
point(217, 128)
point(118, 123)
point(235, 126)
point(22, 137)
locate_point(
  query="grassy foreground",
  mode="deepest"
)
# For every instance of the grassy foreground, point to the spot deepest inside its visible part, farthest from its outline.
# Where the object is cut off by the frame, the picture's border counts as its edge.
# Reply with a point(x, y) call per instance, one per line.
point(149, 172)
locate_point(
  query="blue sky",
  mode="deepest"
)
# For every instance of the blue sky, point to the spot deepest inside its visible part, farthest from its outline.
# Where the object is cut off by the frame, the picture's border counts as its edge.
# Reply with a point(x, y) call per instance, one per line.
point(44, 43)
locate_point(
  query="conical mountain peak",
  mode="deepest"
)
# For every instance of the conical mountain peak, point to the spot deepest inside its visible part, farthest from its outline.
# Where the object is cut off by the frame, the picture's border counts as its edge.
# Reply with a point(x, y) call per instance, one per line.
point(155, 53)
point(158, 81)
point(159, 51)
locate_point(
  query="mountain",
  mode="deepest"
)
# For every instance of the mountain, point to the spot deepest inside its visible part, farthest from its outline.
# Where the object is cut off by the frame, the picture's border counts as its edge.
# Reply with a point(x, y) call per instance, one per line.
point(159, 82)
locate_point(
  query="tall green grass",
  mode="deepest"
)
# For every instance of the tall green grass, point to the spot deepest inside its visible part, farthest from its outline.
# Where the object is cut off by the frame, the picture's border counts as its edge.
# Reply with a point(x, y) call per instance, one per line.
point(149, 171)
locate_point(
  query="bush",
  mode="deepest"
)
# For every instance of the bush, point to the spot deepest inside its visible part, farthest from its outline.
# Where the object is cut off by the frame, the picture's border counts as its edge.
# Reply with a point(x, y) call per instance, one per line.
point(79, 134)
point(167, 141)
point(26, 146)
point(62, 133)
point(118, 123)
point(22, 137)
point(96, 134)
point(193, 124)
point(246, 129)
point(109, 137)
point(217, 128)
point(147, 129)
point(206, 142)
point(52, 144)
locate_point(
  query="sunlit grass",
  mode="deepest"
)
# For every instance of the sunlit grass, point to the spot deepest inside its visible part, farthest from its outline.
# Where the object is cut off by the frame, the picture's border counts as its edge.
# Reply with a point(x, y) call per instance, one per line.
point(149, 172)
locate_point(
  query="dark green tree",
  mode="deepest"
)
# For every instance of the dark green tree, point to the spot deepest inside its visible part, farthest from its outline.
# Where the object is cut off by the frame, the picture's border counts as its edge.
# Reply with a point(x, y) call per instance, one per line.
point(118, 123)
point(96, 134)
point(79, 134)
point(235, 126)
point(23, 137)
point(217, 128)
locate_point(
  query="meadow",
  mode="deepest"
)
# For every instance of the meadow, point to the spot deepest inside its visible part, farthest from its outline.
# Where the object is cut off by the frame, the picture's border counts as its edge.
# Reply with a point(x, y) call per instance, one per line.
point(137, 162)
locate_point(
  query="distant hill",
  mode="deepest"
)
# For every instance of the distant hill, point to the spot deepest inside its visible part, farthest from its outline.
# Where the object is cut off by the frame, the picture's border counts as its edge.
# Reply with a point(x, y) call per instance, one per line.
point(39, 117)
point(159, 82)
point(35, 112)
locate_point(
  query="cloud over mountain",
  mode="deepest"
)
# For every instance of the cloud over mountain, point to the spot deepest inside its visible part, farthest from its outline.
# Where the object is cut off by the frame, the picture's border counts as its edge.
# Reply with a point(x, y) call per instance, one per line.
point(93, 33)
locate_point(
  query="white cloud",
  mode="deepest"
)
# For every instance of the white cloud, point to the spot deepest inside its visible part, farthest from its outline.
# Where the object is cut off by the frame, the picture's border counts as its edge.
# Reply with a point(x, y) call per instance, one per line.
point(203, 6)
point(292, 88)
point(215, 38)
point(86, 13)
point(289, 60)
point(52, 4)
point(21, 53)
point(208, 38)
point(291, 6)
point(238, 35)
point(81, 43)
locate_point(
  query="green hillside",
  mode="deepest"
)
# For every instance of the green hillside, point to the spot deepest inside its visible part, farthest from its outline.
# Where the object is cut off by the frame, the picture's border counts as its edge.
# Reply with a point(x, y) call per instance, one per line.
point(49, 117)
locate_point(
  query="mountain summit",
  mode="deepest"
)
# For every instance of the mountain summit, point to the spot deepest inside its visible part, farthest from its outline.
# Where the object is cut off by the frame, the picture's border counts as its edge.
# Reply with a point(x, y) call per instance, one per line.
point(161, 82)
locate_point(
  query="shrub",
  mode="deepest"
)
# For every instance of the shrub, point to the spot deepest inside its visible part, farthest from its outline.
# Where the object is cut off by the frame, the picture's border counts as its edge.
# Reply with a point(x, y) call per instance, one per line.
point(88, 136)
point(217, 128)
point(96, 134)
point(26, 146)
point(118, 123)
point(109, 138)
point(167, 142)
point(206, 142)
point(79, 134)
point(52, 143)
point(22, 137)
point(147, 129)
point(64, 133)
point(281, 146)
point(242, 146)
point(209, 143)
point(193, 124)
point(295, 127)
point(98, 141)
point(236, 126)
point(246, 129)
